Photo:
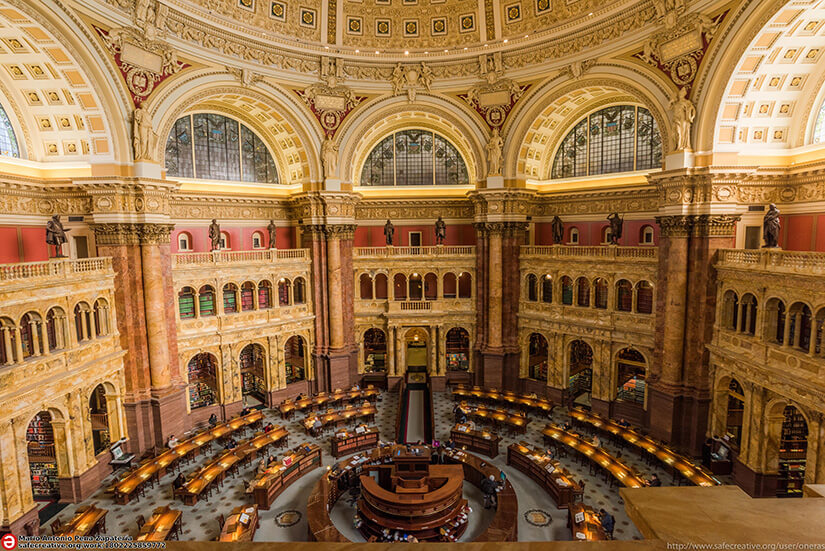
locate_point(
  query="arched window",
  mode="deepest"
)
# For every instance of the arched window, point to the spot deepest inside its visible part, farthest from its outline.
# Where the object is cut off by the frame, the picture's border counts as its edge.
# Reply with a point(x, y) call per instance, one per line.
point(375, 351)
point(547, 289)
point(646, 235)
point(736, 412)
point(206, 301)
point(532, 288)
point(247, 296)
point(819, 128)
point(414, 158)
point(82, 321)
point(31, 334)
point(55, 329)
point(747, 316)
point(225, 243)
point(631, 369)
point(624, 296)
point(186, 303)
point(184, 241)
point(284, 286)
point(8, 141)
point(381, 287)
point(465, 285)
point(430, 286)
point(257, 240)
point(600, 292)
point(101, 317)
point(399, 287)
point(644, 298)
point(620, 138)
point(458, 349)
point(99, 417)
point(202, 371)
point(583, 288)
point(214, 147)
point(264, 294)
point(574, 236)
point(8, 345)
point(799, 336)
point(606, 235)
point(299, 291)
point(450, 285)
point(416, 287)
point(230, 298)
point(567, 291)
point(730, 310)
point(295, 366)
point(775, 321)
point(365, 283)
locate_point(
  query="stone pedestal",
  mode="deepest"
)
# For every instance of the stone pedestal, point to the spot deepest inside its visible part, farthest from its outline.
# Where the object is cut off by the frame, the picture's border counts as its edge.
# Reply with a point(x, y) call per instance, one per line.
point(169, 413)
point(77, 488)
point(492, 370)
point(438, 383)
point(26, 524)
point(755, 484)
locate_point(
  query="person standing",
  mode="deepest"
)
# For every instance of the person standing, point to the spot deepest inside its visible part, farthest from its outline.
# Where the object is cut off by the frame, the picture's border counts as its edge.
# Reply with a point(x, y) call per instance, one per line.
point(608, 522)
point(489, 488)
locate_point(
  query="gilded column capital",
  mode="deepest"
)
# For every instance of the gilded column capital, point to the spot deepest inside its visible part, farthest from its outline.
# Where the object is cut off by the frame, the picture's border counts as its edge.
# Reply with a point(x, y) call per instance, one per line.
point(505, 229)
point(132, 234)
point(156, 234)
point(698, 225)
point(340, 231)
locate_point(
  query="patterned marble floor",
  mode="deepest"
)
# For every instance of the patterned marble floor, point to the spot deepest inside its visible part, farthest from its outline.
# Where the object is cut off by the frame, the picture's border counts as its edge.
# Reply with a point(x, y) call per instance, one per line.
point(539, 520)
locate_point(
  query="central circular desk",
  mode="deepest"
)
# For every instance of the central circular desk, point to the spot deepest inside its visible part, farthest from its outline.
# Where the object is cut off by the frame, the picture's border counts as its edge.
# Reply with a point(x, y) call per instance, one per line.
point(335, 483)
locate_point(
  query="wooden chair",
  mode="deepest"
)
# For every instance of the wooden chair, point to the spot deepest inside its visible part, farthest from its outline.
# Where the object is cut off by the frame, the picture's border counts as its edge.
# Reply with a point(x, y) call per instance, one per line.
point(55, 526)
point(221, 522)
point(140, 521)
point(579, 496)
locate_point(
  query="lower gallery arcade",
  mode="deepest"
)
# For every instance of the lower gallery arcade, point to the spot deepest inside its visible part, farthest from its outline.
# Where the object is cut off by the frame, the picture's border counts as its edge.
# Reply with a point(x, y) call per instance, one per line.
point(413, 271)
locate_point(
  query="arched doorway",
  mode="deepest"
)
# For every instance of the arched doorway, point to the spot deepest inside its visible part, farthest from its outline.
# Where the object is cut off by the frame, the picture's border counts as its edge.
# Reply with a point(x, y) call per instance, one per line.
point(631, 385)
point(793, 451)
point(457, 348)
point(537, 358)
point(203, 380)
point(253, 379)
point(416, 350)
point(40, 444)
point(735, 414)
point(99, 414)
point(375, 351)
point(580, 373)
point(295, 360)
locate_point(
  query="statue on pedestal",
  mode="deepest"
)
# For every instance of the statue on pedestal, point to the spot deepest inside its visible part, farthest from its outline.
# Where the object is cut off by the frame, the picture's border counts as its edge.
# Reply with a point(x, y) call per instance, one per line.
point(272, 234)
point(215, 235)
point(684, 113)
point(56, 235)
point(389, 232)
point(558, 231)
point(770, 227)
point(494, 147)
point(329, 155)
point(440, 231)
point(616, 223)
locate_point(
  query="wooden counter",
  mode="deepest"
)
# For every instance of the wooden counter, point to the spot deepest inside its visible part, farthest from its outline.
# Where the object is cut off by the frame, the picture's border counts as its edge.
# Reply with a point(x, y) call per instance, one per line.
point(475, 440)
point(163, 523)
point(269, 485)
point(534, 463)
point(353, 442)
point(618, 469)
point(584, 523)
point(216, 470)
point(505, 398)
point(503, 527)
point(157, 467)
point(90, 521)
point(340, 417)
point(672, 460)
point(241, 524)
point(288, 407)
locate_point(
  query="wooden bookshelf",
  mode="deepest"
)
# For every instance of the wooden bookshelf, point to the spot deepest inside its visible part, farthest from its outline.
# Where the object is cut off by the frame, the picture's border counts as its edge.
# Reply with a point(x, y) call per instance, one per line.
point(479, 441)
point(42, 462)
point(793, 449)
point(269, 485)
point(349, 442)
point(548, 473)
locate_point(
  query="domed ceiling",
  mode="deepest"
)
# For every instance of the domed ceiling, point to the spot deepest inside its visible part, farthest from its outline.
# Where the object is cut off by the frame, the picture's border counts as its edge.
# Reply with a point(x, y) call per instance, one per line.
point(416, 28)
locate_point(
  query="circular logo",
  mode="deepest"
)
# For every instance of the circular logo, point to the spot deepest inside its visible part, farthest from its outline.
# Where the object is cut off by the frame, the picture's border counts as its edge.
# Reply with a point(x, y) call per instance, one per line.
point(8, 541)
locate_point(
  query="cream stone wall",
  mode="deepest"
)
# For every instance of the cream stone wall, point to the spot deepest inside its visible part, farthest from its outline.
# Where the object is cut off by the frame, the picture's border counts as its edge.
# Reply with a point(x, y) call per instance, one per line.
point(59, 380)
point(772, 374)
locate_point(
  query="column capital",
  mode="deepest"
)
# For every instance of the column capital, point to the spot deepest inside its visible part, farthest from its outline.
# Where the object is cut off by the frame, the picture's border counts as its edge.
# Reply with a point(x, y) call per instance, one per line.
point(698, 225)
point(132, 234)
point(505, 229)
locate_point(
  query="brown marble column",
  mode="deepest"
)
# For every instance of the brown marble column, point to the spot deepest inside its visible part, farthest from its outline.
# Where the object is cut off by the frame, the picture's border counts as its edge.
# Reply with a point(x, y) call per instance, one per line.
point(343, 353)
point(314, 238)
point(679, 391)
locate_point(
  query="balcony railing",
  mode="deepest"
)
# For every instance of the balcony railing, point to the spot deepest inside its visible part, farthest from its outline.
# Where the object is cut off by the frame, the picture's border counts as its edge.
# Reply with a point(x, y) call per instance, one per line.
point(801, 262)
point(58, 267)
point(607, 252)
point(229, 257)
point(438, 250)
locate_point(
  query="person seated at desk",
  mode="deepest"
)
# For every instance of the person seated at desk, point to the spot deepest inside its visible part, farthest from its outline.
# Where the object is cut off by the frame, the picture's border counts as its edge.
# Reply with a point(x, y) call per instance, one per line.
point(489, 488)
point(450, 444)
point(272, 460)
point(654, 481)
point(386, 535)
point(596, 442)
point(213, 420)
point(622, 423)
point(317, 424)
point(245, 411)
point(172, 442)
point(608, 522)
point(268, 428)
point(356, 387)
point(178, 483)
point(301, 396)
point(230, 444)
point(566, 426)
point(262, 466)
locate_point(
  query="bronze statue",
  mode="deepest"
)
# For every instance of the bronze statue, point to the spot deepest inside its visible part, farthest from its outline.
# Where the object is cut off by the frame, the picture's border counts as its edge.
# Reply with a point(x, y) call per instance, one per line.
point(272, 234)
point(616, 223)
point(389, 232)
point(56, 235)
point(440, 231)
point(215, 235)
point(558, 231)
point(770, 227)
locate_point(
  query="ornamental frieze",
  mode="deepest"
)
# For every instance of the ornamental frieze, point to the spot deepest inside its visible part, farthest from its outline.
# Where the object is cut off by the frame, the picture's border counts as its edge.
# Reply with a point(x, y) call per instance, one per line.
point(330, 101)
point(494, 98)
point(205, 207)
point(413, 210)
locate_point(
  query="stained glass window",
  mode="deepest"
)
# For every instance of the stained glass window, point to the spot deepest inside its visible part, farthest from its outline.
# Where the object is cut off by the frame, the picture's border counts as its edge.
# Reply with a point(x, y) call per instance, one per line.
point(619, 138)
point(414, 158)
point(8, 142)
point(214, 147)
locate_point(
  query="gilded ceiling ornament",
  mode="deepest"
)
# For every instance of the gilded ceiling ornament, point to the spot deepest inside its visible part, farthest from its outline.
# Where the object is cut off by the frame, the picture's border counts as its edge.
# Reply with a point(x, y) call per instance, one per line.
point(495, 97)
point(150, 17)
point(246, 77)
point(330, 101)
point(679, 49)
point(578, 68)
point(408, 79)
point(143, 62)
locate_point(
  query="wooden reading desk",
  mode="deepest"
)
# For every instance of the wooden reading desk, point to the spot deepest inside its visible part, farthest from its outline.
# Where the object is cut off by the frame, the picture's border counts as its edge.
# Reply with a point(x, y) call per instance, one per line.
point(323, 399)
point(504, 398)
point(621, 472)
point(498, 417)
point(480, 441)
point(157, 467)
point(549, 474)
point(241, 524)
point(89, 521)
point(340, 417)
point(678, 464)
point(346, 442)
point(584, 523)
point(163, 523)
point(268, 485)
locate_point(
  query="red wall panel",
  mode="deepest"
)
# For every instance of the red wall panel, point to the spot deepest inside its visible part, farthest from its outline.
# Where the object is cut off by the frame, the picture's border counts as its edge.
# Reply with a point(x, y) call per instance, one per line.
point(820, 233)
point(373, 236)
point(9, 251)
point(798, 232)
point(34, 244)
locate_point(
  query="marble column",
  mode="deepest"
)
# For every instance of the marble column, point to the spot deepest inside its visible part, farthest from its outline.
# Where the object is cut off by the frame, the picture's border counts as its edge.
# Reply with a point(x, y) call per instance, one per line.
point(343, 353)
